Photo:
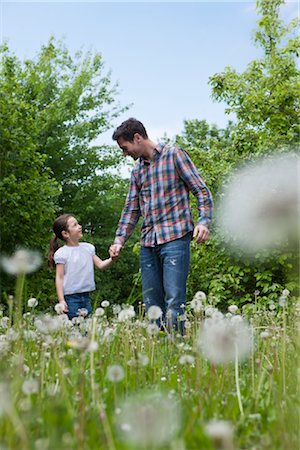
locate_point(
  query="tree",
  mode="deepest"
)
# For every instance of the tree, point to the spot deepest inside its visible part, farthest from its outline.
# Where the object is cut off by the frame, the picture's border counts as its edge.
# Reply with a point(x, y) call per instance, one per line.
point(53, 108)
point(265, 100)
point(28, 190)
point(265, 97)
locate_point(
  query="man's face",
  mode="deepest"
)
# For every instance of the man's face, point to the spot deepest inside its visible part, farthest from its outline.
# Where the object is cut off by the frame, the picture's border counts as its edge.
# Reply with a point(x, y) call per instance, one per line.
point(133, 149)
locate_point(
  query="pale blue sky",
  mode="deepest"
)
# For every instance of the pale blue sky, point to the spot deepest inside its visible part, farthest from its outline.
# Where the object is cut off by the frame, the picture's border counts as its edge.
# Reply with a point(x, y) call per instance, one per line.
point(161, 53)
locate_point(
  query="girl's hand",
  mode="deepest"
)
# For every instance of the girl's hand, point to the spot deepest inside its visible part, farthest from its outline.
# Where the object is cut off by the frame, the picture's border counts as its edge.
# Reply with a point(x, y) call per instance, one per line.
point(65, 306)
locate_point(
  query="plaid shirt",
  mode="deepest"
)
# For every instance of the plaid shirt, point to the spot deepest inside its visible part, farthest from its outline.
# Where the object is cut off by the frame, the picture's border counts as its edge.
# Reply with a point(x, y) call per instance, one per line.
point(159, 191)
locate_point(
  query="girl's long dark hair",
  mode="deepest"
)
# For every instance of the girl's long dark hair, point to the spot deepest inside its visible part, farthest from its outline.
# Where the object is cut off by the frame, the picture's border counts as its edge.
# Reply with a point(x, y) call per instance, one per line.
point(60, 225)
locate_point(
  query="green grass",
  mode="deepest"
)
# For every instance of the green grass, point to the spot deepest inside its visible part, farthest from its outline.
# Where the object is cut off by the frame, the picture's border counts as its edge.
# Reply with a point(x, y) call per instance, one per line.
point(75, 406)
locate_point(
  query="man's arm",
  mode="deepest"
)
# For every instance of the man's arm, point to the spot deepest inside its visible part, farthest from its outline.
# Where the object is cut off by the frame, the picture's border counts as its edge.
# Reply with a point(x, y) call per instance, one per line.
point(190, 175)
point(129, 218)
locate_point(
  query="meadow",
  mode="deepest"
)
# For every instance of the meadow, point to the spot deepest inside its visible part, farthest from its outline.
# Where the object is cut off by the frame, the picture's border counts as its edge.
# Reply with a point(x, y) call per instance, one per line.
point(115, 381)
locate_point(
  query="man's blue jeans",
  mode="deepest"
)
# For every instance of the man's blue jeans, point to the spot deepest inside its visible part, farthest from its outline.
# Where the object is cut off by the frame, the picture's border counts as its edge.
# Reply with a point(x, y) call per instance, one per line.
point(165, 269)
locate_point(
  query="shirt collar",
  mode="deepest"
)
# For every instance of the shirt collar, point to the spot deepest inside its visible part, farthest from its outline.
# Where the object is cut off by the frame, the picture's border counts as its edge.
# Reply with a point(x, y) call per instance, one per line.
point(158, 149)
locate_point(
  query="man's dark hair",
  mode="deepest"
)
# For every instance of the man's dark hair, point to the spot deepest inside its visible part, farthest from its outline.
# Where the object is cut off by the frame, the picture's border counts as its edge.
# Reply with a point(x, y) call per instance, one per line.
point(128, 129)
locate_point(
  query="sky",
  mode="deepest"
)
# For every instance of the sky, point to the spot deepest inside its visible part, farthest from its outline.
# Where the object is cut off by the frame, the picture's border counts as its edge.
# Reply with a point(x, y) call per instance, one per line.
point(160, 53)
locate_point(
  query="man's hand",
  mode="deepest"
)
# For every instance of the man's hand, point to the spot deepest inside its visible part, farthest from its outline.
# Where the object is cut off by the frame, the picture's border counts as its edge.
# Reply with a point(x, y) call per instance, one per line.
point(114, 251)
point(201, 233)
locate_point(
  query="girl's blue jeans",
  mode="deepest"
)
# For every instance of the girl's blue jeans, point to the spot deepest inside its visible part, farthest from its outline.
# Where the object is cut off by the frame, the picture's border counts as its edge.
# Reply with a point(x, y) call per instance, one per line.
point(76, 302)
point(164, 270)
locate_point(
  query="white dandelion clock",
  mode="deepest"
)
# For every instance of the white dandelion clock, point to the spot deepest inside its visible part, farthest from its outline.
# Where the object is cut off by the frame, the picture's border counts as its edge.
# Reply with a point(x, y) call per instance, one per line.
point(115, 373)
point(32, 302)
point(149, 420)
point(105, 304)
point(222, 340)
point(59, 308)
point(154, 312)
point(22, 261)
point(30, 386)
point(221, 433)
point(126, 314)
point(99, 312)
point(260, 208)
point(196, 305)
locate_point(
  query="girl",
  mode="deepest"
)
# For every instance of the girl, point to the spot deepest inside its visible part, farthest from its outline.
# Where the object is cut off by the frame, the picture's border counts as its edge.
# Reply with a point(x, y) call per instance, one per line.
point(74, 265)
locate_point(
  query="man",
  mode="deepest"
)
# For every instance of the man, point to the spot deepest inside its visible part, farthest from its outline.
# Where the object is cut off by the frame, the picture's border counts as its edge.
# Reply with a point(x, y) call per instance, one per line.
point(159, 191)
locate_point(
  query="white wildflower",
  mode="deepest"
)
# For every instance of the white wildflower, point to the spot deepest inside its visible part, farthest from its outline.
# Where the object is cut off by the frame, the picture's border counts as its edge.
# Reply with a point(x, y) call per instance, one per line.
point(186, 359)
point(30, 386)
point(22, 261)
point(264, 334)
point(152, 329)
point(200, 296)
point(143, 360)
point(233, 309)
point(149, 420)
point(269, 217)
point(154, 312)
point(105, 303)
point(221, 433)
point(115, 373)
point(32, 302)
point(83, 312)
point(285, 292)
point(221, 340)
point(196, 305)
point(99, 312)
point(116, 309)
point(126, 314)
point(282, 301)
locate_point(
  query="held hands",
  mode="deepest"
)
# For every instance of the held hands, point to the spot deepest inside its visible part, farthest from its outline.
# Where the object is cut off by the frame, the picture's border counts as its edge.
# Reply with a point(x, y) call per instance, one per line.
point(201, 233)
point(114, 251)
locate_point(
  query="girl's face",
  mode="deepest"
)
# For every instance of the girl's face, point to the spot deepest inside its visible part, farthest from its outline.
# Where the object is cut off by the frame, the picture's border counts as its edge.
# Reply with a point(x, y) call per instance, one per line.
point(74, 229)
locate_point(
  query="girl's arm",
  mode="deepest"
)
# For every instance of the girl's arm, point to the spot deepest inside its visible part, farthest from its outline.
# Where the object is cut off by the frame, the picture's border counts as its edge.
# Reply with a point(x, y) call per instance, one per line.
point(102, 264)
point(59, 283)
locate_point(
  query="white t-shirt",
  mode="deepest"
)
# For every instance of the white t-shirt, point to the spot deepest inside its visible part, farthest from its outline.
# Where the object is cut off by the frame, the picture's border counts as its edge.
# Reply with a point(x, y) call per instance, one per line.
point(79, 267)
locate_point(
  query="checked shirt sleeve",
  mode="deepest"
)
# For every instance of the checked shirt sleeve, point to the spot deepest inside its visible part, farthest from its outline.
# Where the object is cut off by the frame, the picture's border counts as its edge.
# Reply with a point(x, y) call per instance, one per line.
point(130, 214)
point(190, 175)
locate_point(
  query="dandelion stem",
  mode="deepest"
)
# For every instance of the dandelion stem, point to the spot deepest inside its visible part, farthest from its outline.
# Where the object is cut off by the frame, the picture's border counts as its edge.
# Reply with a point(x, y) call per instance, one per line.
point(92, 369)
point(237, 383)
point(19, 295)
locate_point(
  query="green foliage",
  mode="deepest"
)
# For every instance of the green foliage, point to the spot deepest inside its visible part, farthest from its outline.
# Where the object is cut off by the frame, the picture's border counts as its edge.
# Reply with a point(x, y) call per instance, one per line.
point(27, 189)
point(265, 100)
point(265, 97)
point(52, 110)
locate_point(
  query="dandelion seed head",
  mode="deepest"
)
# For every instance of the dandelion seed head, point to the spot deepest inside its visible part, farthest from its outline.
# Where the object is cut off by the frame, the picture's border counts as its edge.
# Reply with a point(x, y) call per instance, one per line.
point(30, 386)
point(152, 329)
point(196, 305)
point(32, 302)
point(99, 312)
point(149, 420)
point(221, 433)
point(221, 340)
point(268, 218)
point(126, 314)
point(233, 309)
point(282, 301)
point(115, 373)
point(186, 359)
point(83, 312)
point(105, 303)
point(154, 312)
point(22, 261)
